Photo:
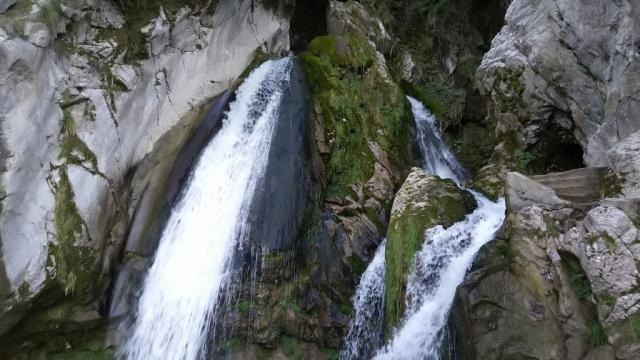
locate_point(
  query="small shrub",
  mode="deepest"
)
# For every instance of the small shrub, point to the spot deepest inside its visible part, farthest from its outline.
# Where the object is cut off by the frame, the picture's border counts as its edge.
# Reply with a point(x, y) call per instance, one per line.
point(525, 159)
point(597, 335)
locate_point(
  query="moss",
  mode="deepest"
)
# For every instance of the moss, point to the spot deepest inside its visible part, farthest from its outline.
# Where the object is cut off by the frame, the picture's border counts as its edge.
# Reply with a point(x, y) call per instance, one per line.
point(610, 184)
point(597, 336)
point(231, 344)
point(357, 265)
point(243, 307)
point(74, 265)
point(402, 244)
point(633, 325)
point(472, 145)
point(356, 105)
point(111, 85)
point(50, 13)
point(348, 310)
point(24, 291)
point(330, 354)
point(258, 58)
point(291, 347)
point(577, 277)
point(429, 100)
point(525, 160)
point(438, 202)
point(72, 149)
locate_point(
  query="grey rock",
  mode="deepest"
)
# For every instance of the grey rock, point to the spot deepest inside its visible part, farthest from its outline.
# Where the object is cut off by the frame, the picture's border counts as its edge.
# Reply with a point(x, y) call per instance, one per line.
point(604, 352)
point(579, 185)
point(585, 68)
point(126, 74)
point(601, 245)
point(38, 34)
point(6, 4)
point(522, 191)
point(624, 159)
point(351, 16)
point(105, 14)
point(159, 34)
point(33, 79)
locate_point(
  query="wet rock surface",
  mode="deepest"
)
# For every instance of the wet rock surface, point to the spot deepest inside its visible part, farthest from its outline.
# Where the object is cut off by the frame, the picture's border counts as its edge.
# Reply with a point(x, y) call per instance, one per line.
point(556, 281)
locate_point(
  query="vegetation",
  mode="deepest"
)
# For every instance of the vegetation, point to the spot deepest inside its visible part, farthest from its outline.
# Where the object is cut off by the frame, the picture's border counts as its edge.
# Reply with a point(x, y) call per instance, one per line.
point(291, 347)
point(577, 278)
point(402, 244)
point(442, 203)
point(597, 335)
point(74, 265)
point(357, 105)
point(634, 328)
point(50, 13)
point(137, 14)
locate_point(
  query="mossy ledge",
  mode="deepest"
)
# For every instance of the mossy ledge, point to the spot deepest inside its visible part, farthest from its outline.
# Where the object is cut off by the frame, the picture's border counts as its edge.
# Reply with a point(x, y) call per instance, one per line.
point(357, 103)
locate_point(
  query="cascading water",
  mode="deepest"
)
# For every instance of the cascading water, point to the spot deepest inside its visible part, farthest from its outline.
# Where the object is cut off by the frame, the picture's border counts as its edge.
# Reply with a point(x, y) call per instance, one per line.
point(365, 332)
point(440, 266)
point(191, 265)
point(437, 159)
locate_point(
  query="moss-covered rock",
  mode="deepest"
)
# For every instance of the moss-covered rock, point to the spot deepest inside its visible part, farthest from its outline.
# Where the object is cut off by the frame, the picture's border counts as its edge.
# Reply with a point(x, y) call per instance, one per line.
point(357, 103)
point(422, 202)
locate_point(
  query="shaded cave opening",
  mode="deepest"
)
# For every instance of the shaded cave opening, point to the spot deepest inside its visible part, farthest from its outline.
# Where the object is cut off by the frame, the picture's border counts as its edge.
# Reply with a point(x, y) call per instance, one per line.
point(308, 21)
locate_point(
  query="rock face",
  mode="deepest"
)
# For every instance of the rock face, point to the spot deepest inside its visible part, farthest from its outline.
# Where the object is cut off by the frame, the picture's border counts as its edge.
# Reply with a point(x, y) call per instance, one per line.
point(559, 283)
point(5, 4)
point(551, 67)
point(87, 129)
point(422, 202)
point(358, 152)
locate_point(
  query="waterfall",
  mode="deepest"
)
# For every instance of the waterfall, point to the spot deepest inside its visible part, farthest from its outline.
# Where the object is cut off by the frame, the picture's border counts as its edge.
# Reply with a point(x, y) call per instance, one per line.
point(437, 158)
point(365, 333)
point(438, 268)
point(191, 266)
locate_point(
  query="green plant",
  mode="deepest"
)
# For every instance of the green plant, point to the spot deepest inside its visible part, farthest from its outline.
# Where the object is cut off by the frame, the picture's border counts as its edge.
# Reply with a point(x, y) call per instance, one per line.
point(356, 106)
point(597, 335)
point(397, 252)
point(634, 328)
point(50, 13)
point(578, 280)
point(291, 347)
point(525, 160)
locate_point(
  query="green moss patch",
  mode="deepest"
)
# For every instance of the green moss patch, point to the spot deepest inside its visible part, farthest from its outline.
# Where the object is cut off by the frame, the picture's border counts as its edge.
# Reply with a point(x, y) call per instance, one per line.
point(75, 266)
point(357, 104)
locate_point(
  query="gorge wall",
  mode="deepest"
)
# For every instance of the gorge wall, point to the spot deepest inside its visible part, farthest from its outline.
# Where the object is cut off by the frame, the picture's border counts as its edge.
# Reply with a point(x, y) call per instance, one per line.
point(99, 97)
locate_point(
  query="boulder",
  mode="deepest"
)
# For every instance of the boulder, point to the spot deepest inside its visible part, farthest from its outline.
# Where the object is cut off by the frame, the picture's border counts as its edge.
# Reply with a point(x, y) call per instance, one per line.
point(422, 202)
point(523, 191)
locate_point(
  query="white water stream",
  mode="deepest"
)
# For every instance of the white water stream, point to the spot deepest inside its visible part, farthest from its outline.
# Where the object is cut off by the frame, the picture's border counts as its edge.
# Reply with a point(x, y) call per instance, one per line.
point(438, 268)
point(190, 269)
point(365, 332)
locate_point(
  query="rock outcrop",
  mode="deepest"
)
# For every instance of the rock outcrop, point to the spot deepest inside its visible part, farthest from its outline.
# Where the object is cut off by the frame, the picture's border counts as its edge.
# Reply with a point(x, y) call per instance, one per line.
point(569, 67)
point(559, 283)
point(94, 110)
point(422, 202)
